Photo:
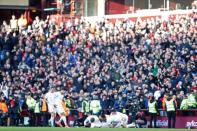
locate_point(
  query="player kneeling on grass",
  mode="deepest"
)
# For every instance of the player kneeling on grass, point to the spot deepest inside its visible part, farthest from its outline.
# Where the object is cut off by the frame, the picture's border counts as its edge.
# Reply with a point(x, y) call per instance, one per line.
point(105, 121)
point(92, 121)
point(115, 120)
point(118, 119)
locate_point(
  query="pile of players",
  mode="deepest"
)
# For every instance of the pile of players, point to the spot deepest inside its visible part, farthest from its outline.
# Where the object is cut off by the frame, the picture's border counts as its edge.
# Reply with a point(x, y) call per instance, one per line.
point(57, 108)
point(114, 120)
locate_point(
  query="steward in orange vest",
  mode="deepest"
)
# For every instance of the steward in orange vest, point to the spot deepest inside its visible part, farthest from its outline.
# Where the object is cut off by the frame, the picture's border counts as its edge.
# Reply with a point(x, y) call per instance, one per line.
point(3, 106)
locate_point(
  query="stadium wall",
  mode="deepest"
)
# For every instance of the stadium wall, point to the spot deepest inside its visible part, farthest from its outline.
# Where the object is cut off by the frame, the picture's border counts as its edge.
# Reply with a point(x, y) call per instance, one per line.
point(142, 14)
point(122, 6)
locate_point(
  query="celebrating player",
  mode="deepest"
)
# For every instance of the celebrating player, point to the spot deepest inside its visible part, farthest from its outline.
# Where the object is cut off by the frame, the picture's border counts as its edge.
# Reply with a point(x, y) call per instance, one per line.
point(118, 119)
point(92, 121)
point(50, 102)
point(60, 109)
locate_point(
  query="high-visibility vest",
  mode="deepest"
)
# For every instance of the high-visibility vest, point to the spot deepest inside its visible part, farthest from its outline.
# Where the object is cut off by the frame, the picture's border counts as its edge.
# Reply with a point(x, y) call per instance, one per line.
point(4, 107)
point(170, 105)
point(164, 103)
point(85, 106)
point(191, 101)
point(68, 103)
point(95, 106)
point(66, 110)
point(184, 104)
point(44, 106)
point(151, 107)
point(37, 107)
point(124, 110)
point(31, 103)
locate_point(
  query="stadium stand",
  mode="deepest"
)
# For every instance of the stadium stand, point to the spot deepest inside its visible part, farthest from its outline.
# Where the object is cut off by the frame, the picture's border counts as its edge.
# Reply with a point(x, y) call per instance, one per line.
point(117, 63)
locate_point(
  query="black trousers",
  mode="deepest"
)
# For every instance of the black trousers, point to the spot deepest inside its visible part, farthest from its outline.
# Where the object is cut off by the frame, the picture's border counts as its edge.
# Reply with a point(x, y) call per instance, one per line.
point(44, 118)
point(153, 117)
point(14, 119)
point(31, 118)
point(37, 120)
point(171, 119)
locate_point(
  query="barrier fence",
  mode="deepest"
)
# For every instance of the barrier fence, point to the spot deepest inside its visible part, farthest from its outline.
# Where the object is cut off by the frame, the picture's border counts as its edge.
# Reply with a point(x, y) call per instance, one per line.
point(184, 118)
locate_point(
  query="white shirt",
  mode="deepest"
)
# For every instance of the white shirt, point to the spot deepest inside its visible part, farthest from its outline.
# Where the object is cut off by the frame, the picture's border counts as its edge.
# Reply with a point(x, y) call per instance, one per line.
point(94, 124)
point(157, 94)
point(4, 89)
point(118, 119)
point(58, 97)
point(13, 24)
point(50, 98)
point(107, 123)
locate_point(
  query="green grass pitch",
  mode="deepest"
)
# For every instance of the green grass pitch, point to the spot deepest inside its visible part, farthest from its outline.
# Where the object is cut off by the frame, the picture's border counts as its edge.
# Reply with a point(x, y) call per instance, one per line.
point(84, 129)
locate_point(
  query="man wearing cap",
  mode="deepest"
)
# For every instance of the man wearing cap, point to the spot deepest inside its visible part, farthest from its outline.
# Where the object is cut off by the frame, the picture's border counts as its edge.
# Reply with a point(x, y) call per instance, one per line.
point(171, 111)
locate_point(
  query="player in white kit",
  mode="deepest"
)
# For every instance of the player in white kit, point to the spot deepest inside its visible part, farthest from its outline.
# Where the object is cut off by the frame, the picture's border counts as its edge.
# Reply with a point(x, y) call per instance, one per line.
point(105, 121)
point(92, 121)
point(50, 102)
point(59, 99)
point(114, 120)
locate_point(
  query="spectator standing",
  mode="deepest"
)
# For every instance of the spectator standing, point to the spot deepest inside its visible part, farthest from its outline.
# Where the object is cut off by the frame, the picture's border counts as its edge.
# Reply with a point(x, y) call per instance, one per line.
point(37, 111)
point(192, 101)
point(184, 103)
point(4, 111)
point(31, 103)
point(153, 110)
point(44, 111)
point(95, 106)
point(171, 112)
point(13, 111)
point(14, 23)
point(22, 23)
point(86, 106)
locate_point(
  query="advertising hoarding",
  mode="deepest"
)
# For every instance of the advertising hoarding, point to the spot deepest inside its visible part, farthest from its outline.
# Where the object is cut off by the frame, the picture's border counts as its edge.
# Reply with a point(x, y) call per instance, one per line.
point(14, 2)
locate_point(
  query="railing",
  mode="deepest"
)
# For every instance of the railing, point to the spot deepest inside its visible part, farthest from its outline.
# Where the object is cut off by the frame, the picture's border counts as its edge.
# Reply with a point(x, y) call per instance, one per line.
point(184, 118)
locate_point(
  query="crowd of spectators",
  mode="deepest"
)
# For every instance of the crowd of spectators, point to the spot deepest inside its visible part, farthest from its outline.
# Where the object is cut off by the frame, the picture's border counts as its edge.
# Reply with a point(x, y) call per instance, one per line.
point(119, 63)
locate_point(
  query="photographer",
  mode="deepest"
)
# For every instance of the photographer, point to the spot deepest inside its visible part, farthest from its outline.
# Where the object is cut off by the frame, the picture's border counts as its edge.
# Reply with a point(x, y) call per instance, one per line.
point(140, 120)
point(13, 108)
point(132, 107)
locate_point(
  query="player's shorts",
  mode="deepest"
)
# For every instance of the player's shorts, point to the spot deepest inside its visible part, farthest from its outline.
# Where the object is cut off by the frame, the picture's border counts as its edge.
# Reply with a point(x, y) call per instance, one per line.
point(106, 125)
point(51, 109)
point(96, 125)
point(59, 110)
point(125, 120)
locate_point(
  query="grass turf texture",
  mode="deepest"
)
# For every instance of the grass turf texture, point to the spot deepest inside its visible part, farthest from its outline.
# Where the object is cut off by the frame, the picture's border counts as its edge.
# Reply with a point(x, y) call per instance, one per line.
point(84, 129)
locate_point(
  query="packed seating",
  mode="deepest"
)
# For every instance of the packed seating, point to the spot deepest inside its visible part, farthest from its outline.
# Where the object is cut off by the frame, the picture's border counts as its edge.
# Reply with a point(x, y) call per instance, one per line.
point(120, 64)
